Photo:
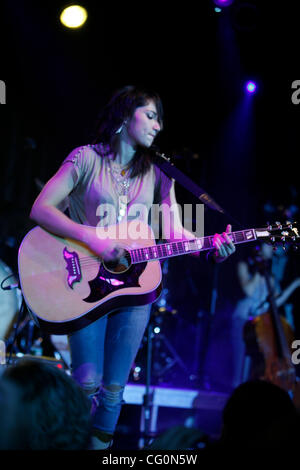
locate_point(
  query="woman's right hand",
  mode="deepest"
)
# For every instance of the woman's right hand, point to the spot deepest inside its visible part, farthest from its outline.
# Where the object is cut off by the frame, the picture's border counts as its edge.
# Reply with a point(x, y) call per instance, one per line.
point(107, 248)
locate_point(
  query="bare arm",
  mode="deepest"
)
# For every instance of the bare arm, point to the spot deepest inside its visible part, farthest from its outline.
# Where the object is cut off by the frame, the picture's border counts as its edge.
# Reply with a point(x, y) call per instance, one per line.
point(46, 213)
point(248, 283)
point(45, 208)
point(286, 293)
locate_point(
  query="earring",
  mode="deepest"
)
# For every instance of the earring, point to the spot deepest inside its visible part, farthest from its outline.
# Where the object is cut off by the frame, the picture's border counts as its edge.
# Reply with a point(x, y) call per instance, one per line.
point(118, 131)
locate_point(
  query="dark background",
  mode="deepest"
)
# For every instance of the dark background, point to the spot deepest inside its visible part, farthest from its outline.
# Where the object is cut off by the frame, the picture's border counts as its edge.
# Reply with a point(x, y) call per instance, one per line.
point(242, 149)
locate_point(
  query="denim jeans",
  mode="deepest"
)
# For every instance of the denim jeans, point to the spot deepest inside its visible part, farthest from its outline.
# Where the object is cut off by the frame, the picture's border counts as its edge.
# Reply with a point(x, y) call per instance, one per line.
point(102, 355)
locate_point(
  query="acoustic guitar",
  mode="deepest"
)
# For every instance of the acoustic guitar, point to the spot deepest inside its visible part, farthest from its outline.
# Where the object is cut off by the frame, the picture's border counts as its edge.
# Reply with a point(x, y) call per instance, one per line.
point(67, 287)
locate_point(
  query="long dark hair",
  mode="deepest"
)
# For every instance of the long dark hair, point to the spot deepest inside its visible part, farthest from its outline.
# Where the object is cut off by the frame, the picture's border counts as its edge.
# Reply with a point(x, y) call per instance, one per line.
point(121, 107)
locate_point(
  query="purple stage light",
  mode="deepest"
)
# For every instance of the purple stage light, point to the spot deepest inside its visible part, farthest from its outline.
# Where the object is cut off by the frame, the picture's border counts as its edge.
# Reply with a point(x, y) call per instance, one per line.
point(223, 3)
point(251, 87)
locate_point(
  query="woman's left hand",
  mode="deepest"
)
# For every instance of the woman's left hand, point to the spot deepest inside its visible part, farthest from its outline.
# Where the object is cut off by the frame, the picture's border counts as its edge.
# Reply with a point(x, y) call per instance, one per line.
point(223, 245)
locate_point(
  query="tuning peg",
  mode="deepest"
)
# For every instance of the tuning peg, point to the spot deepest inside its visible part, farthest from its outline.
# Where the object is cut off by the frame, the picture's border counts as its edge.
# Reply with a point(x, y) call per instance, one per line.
point(283, 243)
point(289, 224)
point(278, 225)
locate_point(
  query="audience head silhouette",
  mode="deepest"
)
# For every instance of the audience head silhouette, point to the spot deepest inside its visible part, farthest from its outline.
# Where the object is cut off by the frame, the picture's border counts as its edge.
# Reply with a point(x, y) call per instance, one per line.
point(41, 407)
point(260, 414)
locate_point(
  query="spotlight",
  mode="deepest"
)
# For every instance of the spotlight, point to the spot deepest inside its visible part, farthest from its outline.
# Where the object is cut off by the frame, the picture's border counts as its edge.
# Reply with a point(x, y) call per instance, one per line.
point(223, 3)
point(251, 87)
point(73, 16)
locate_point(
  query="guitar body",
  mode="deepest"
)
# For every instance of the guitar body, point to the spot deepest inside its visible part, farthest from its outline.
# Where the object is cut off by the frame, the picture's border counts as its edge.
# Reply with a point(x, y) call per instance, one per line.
point(66, 287)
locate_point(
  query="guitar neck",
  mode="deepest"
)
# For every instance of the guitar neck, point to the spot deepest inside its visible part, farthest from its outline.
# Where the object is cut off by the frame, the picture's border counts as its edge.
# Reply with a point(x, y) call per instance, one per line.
point(171, 249)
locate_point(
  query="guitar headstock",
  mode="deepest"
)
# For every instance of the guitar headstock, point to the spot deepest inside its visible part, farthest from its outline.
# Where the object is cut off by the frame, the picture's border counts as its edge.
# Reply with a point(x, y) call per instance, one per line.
point(280, 234)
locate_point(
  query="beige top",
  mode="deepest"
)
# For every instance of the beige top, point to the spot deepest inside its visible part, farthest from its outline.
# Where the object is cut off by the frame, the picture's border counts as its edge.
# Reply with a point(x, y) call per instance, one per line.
point(98, 195)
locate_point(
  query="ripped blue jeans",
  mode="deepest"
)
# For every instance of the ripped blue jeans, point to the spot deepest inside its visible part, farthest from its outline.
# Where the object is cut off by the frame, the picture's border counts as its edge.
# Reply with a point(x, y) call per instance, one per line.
point(102, 355)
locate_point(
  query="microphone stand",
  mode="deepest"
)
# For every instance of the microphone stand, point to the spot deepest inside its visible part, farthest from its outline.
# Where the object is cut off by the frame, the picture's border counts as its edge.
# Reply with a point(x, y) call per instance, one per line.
point(148, 396)
point(212, 310)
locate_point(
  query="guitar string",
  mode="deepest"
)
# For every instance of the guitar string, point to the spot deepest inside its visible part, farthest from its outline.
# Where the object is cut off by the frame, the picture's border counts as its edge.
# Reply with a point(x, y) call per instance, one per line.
point(163, 246)
point(88, 260)
point(94, 260)
point(85, 259)
point(193, 241)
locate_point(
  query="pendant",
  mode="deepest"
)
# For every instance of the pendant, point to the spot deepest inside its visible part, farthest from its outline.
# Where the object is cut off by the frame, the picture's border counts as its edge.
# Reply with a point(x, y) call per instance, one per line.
point(122, 207)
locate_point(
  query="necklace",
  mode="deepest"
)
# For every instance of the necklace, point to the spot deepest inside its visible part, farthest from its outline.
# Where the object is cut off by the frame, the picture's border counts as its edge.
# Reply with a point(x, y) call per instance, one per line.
point(122, 184)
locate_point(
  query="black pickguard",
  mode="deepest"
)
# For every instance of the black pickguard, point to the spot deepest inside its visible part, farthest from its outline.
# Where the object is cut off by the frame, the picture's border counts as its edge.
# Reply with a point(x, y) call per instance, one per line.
point(100, 288)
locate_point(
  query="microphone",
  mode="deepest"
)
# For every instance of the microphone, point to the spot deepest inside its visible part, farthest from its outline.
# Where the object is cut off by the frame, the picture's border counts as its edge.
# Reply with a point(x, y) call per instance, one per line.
point(188, 183)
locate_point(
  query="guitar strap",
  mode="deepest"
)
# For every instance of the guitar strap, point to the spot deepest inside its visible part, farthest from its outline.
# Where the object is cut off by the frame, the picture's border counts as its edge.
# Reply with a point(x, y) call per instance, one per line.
point(167, 167)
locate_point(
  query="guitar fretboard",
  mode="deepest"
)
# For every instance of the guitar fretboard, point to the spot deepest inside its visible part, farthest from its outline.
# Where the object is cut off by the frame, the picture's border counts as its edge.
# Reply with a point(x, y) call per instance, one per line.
point(167, 250)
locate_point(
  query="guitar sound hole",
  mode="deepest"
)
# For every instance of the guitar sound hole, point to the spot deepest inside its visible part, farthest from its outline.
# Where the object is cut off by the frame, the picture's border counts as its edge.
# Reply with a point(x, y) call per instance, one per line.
point(118, 265)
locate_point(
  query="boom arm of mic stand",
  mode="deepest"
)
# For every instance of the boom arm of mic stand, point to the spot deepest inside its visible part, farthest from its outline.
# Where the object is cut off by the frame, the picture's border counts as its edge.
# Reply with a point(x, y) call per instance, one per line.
point(190, 185)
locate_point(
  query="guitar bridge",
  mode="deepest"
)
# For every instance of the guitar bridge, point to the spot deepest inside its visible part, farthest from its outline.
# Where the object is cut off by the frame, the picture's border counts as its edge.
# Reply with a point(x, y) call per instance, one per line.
point(73, 267)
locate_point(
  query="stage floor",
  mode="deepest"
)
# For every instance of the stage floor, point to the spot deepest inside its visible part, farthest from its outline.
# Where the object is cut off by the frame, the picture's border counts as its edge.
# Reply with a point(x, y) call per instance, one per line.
point(175, 397)
point(170, 407)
